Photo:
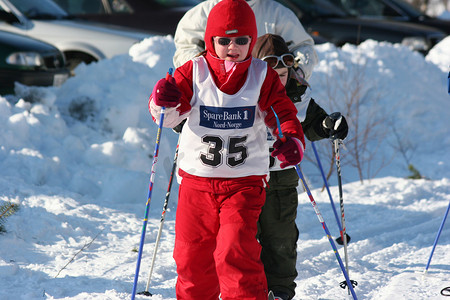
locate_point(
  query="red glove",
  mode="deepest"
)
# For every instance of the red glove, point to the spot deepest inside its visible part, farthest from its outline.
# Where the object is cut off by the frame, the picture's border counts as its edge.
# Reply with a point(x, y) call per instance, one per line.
point(290, 152)
point(166, 93)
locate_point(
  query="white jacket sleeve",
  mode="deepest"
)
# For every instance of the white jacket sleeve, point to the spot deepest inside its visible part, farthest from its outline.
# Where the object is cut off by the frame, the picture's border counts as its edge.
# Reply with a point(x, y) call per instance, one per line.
point(190, 32)
point(302, 106)
point(172, 116)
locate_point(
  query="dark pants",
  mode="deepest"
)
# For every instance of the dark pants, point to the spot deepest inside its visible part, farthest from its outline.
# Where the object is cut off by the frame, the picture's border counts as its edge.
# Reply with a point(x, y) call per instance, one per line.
point(278, 233)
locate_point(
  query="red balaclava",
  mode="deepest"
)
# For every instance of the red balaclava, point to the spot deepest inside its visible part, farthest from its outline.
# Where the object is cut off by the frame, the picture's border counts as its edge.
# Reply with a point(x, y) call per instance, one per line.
point(230, 18)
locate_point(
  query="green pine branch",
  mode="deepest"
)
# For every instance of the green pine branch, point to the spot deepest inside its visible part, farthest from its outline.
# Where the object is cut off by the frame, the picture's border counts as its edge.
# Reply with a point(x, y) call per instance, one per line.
point(415, 174)
point(7, 210)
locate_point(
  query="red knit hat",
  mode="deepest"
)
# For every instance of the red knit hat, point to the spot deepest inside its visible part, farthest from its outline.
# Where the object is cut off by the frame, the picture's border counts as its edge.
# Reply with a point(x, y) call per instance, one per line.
point(231, 18)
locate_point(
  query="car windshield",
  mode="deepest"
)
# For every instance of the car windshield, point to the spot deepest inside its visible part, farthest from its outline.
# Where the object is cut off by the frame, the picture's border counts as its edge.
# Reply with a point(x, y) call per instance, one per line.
point(83, 7)
point(42, 9)
point(119, 6)
point(315, 8)
point(377, 8)
point(177, 3)
point(408, 8)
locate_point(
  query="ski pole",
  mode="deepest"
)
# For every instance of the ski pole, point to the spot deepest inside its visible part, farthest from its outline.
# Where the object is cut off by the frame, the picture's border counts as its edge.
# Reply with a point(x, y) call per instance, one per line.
point(147, 207)
point(163, 217)
point(339, 239)
point(350, 283)
point(336, 141)
point(341, 201)
point(437, 237)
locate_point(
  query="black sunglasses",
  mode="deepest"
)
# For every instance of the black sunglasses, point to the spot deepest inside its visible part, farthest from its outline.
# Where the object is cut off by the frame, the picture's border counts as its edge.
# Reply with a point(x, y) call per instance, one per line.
point(241, 41)
point(286, 59)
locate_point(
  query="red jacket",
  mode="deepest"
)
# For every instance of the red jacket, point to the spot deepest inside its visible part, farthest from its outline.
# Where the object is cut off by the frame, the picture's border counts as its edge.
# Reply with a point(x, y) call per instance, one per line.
point(273, 93)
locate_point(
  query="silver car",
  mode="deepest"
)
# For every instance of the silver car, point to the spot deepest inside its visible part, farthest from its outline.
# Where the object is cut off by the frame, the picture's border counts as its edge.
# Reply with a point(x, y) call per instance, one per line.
point(80, 41)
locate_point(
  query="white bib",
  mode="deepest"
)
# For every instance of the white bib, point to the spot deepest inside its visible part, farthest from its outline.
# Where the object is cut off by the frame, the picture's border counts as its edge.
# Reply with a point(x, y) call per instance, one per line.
point(225, 135)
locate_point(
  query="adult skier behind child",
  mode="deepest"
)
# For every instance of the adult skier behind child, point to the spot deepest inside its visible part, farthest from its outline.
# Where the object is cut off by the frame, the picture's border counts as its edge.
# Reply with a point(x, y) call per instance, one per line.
point(277, 230)
point(227, 99)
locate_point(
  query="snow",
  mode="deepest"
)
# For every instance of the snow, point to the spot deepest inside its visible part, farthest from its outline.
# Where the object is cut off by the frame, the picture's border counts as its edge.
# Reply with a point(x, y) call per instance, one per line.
point(437, 8)
point(77, 160)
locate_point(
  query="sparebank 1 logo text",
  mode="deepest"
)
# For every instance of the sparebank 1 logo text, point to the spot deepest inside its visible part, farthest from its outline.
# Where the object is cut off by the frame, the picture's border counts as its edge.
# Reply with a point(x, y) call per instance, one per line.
point(227, 117)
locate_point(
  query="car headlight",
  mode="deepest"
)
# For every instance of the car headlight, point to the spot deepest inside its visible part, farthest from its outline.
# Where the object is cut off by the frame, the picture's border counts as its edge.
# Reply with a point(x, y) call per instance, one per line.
point(416, 43)
point(30, 59)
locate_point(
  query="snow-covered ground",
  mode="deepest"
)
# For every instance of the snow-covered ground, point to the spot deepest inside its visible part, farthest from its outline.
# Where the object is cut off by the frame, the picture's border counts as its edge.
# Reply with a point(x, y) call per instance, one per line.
point(77, 160)
point(438, 8)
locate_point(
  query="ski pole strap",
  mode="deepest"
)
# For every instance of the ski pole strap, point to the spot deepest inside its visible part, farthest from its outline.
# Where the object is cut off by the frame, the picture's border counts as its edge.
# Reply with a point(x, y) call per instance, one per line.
point(280, 133)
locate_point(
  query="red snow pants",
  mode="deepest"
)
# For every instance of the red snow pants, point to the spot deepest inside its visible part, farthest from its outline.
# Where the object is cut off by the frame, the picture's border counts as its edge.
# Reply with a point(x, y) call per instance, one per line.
point(216, 250)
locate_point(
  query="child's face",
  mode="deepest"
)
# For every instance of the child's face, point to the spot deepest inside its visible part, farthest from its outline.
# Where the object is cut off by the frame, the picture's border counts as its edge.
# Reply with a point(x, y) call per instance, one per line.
point(283, 73)
point(232, 49)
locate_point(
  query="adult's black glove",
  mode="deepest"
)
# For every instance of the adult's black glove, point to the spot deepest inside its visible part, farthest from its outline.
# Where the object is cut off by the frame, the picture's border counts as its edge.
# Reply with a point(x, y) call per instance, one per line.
point(335, 126)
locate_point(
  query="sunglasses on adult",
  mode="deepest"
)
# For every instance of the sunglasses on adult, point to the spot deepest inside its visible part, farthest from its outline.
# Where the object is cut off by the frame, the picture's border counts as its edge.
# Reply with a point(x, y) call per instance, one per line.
point(224, 41)
point(286, 59)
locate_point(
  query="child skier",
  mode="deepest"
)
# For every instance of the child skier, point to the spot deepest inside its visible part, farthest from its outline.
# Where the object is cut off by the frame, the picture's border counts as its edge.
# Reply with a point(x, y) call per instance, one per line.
point(271, 17)
point(277, 230)
point(227, 99)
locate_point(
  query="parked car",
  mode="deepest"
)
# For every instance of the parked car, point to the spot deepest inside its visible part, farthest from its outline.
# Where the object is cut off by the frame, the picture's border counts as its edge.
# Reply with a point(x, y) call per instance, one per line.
point(159, 16)
point(335, 24)
point(156, 16)
point(397, 10)
point(79, 40)
point(30, 62)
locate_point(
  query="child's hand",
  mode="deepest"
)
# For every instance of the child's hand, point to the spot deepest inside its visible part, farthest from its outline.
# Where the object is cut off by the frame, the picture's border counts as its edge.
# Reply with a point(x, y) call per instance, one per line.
point(290, 152)
point(166, 93)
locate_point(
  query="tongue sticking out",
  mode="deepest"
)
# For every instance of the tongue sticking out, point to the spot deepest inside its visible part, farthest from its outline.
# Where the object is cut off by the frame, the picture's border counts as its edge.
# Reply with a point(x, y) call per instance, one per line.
point(229, 64)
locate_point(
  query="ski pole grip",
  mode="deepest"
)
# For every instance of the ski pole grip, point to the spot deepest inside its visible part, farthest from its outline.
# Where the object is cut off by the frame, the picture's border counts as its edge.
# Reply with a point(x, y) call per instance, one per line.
point(335, 116)
point(169, 74)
